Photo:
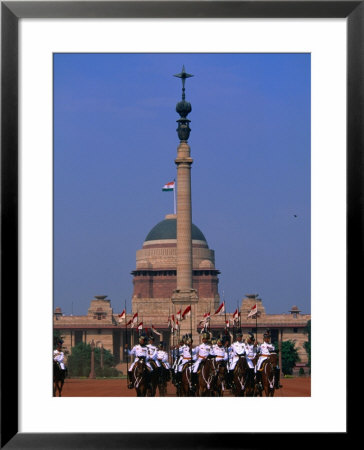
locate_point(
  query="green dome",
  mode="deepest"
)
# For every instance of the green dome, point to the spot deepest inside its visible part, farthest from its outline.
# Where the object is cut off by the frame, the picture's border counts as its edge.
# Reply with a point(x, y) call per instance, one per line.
point(167, 229)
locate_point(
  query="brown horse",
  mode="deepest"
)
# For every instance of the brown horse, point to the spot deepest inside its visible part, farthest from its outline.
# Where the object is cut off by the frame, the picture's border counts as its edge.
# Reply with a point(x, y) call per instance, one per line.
point(268, 378)
point(163, 376)
point(59, 376)
point(152, 380)
point(140, 377)
point(243, 382)
point(220, 378)
point(187, 388)
point(206, 374)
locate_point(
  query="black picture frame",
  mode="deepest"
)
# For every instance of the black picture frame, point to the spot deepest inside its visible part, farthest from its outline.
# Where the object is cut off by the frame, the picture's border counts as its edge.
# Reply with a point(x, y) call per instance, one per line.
point(11, 12)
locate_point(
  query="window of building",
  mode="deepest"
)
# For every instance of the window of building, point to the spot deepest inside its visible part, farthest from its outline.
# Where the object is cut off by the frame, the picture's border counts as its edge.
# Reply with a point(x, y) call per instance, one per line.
point(78, 336)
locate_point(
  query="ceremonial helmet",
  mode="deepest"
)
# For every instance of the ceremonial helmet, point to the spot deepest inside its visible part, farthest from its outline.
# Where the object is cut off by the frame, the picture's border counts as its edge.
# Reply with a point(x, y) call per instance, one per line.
point(219, 340)
point(59, 342)
point(189, 340)
point(213, 340)
point(205, 336)
point(251, 336)
point(239, 334)
point(142, 339)
point(151, 338)
point(161, 344)
point(267, 334)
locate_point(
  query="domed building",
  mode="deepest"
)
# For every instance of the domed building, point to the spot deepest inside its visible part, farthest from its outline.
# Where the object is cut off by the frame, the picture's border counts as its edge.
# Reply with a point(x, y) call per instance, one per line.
point(155, 276)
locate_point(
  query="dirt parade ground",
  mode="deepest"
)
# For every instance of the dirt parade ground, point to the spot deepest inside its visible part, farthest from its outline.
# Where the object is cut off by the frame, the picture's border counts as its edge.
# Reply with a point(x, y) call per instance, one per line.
point(76, 387)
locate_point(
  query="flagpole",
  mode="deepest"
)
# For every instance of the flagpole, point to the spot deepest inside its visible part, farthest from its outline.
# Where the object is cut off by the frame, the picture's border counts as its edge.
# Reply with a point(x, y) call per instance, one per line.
point(239, 319)
point(191, 343)
point(226, 330)
point(174, 196)
point(127, 353)
point(209, 324)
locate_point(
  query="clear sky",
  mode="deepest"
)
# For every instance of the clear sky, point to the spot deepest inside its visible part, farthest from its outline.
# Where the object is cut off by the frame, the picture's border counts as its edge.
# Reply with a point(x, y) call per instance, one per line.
point(115, 142)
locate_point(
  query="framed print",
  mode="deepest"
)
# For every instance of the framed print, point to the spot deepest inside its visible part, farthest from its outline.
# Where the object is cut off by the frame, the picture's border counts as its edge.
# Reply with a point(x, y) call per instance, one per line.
point(32, 33)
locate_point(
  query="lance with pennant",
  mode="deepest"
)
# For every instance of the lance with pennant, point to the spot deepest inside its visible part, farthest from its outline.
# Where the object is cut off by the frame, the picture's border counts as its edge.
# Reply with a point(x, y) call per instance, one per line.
point(126, 341)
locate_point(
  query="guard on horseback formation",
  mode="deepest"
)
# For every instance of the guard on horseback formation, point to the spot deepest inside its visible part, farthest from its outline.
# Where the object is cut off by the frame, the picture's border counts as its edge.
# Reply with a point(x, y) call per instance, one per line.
point(187, 356)
point(58, 357)
point(219, 351)
point(140, 351)
point(203, 351)
point(264, 351)
point(152, 349)
point(251, 348)
point(237, 350)
point(177, 358)
point(162, 360)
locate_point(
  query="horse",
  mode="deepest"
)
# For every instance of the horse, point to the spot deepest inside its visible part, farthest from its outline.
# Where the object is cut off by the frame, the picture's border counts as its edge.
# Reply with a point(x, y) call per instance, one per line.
point(268, 378)
point(163, 377)
point(186, 387)
point(59, 376)
point(220, 378)
point(152, 380)
point(206, 375)
point(243, 382)
point(141, 377)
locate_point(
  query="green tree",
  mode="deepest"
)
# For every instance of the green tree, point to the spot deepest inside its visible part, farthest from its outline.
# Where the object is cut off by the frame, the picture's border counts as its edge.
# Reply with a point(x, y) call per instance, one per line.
point(79, 362)
point(289, 356)
point(307, 344)
point(56, 335)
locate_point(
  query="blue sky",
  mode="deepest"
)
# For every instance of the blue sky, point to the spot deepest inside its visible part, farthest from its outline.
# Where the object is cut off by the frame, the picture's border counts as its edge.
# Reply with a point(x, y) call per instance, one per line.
point(115, 142)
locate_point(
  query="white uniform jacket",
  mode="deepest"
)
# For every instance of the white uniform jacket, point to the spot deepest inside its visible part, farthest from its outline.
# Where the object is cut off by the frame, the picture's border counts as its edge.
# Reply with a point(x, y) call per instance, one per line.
point(59, 357)
point(152, 353)
point(139, 351)
point(162, 358)
point(220, 353)
point(264, 349)
point(179, 358)
point(238, 349)
point(186, 357)
point(202, 352)
point(251, 351)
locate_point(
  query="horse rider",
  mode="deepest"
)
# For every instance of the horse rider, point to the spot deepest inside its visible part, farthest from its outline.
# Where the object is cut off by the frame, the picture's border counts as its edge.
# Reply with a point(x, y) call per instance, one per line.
point(140, 351)
point(251, 348)
point(152, 351)
point(264, 350)
point(58, 356)
point(203, 351)
point(188, 355)
point(178, 353)
point(219, 351)
point(213, 342)
point(162, 359)
point(237, 350)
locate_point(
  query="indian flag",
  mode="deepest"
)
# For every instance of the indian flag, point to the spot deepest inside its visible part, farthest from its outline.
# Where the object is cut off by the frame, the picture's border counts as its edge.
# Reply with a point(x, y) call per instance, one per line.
point(220, 309)
point(253, 311)
point(168, 186)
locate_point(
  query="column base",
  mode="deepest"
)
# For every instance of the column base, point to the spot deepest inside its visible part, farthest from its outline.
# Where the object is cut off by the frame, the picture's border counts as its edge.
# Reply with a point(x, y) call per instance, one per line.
point(184, 296)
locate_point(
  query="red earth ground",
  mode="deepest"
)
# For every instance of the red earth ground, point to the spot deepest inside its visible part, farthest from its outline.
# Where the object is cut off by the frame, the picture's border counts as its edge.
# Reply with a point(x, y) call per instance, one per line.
point(76, 387)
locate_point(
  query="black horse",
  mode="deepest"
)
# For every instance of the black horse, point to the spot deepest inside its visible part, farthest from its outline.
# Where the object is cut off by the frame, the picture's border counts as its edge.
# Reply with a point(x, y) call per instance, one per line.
point(59, 376)
point(220, 378)
point(243, 380)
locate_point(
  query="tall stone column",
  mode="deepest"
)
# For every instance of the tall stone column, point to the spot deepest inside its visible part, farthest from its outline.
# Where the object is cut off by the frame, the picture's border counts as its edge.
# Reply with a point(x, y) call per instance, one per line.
point(184, 295)
point(184, 218)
